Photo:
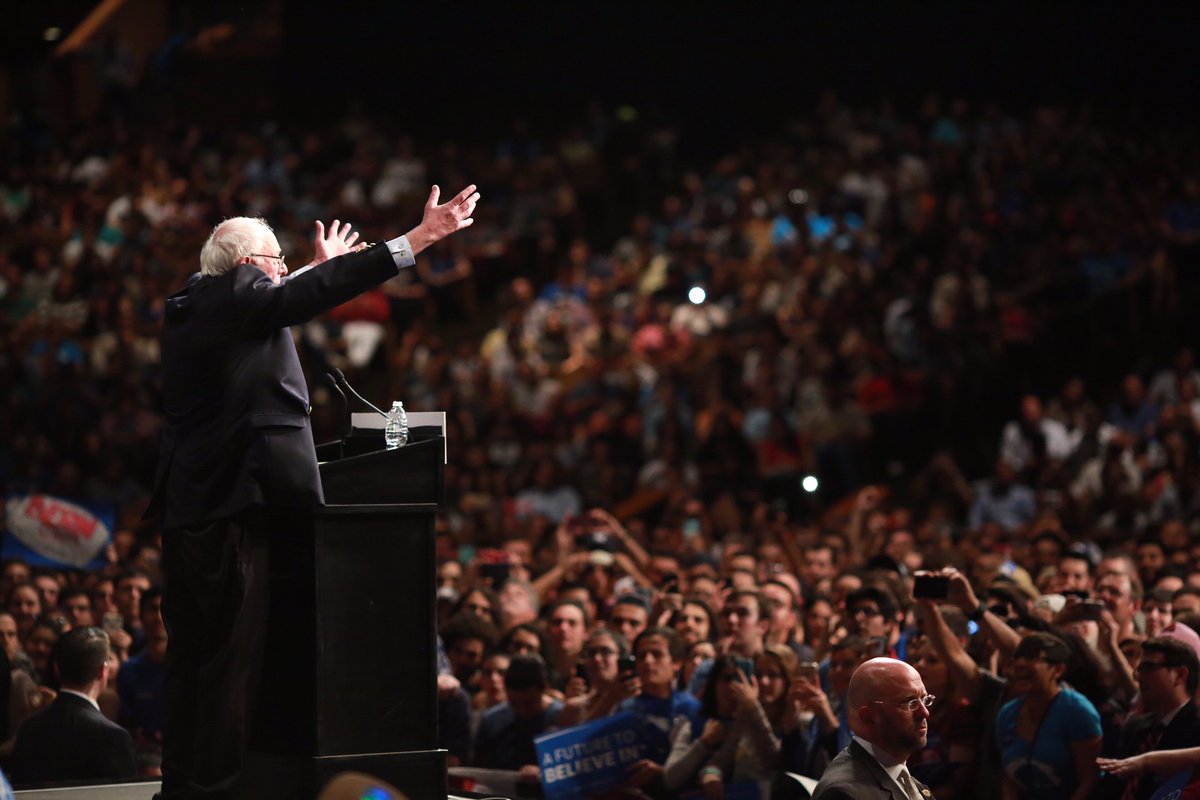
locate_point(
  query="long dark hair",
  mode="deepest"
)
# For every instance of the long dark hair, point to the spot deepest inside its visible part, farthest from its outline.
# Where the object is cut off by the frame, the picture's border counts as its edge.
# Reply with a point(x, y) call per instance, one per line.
point(722, 665)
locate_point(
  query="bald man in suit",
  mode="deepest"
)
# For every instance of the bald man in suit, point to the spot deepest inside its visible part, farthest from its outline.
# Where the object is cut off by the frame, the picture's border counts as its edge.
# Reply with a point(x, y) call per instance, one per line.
point(889, 714)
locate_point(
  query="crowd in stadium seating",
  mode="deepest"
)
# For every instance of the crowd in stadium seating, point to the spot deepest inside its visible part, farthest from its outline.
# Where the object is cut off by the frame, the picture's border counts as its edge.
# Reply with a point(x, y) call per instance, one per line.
point(876, 284)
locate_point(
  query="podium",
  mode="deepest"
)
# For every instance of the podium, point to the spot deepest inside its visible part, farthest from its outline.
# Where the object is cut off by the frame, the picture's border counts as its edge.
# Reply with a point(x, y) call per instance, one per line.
point(350, 675)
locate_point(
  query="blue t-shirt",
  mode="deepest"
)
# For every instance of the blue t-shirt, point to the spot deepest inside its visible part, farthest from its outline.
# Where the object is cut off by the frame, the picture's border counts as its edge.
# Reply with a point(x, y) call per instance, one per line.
point(1045, 768)
point(658, 715)
point(142, 687)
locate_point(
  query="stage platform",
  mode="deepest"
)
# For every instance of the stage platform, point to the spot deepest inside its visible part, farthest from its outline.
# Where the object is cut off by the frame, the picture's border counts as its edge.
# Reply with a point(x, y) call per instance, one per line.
point(119, 791)
point(125, 791)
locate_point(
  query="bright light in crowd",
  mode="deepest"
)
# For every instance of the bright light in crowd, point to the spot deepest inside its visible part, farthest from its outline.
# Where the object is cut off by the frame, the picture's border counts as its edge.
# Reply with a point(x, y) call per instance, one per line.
point(52, 34)
point(809, 483)
point(697, 295)
point(798, 196)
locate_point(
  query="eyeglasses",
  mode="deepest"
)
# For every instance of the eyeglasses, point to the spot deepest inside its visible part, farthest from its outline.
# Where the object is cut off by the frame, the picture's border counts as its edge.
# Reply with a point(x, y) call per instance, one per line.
point(866, 611)
point(600, 652)
point(909, 705)
point(1146, 667)
point(280, 258)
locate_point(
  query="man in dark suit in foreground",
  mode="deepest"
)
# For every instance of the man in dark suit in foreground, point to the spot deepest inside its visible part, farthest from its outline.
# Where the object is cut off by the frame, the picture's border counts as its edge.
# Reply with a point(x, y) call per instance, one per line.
point(70, 740)
point(238, 469)
point(889, 714)
point(1168, 675)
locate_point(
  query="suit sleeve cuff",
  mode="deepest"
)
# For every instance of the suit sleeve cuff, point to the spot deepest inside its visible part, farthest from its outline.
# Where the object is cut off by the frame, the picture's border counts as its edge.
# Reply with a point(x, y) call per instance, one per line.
point(401, 252)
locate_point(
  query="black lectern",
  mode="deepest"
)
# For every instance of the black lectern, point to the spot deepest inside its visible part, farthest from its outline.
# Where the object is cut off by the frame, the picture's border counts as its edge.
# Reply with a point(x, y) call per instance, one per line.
point(350, 679)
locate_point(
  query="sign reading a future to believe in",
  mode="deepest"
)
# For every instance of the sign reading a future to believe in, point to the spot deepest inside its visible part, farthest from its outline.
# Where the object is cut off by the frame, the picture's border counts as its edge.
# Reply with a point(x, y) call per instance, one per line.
point(589, 759)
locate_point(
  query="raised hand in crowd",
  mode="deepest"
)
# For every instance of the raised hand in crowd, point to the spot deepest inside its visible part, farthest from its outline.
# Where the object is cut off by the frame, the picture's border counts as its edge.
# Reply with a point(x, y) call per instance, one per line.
point(745, 691)
point(643, 772)
point(1161, 762)
point(807, 695)
point(1109, 646)
point(614, 526)
point(713, 734)
point(120, 641)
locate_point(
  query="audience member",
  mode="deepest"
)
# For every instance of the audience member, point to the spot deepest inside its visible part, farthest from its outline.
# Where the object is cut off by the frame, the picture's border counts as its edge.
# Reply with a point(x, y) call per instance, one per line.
point(70, 740)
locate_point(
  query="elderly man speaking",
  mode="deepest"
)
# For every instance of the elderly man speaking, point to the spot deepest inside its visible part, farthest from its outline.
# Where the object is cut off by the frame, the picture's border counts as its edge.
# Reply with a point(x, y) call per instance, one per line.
point(238, 467)
point(889, 714)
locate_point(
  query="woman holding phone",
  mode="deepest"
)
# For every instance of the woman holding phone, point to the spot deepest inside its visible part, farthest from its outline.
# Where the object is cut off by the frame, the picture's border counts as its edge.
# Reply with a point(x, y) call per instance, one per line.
point(597, 686)
point(732, 741)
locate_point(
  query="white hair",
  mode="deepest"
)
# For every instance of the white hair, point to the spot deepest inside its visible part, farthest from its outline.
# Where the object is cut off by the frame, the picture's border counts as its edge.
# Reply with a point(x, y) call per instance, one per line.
point(231, 241)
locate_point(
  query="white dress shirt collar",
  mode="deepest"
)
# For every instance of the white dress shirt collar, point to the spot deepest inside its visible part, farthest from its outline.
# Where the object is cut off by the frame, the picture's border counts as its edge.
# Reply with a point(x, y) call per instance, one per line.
point(892, 767)
point(93, 703)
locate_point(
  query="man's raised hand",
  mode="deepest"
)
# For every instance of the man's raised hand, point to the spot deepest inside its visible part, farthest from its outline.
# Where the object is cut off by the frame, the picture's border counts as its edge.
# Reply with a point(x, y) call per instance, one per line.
point(334, 243)
point(439, 221)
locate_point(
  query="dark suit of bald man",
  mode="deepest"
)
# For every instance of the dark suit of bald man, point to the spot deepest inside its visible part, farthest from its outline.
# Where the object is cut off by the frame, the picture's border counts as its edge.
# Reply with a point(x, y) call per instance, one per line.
point(237, 467)
point(855, 775)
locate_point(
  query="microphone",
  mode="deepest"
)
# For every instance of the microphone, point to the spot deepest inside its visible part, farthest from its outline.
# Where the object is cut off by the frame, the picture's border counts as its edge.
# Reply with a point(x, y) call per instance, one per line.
point(333, 384)
point(345, 384)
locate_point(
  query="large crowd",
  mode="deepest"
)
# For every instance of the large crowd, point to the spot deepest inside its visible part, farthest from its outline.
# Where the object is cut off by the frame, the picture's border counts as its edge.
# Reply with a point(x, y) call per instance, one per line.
point(880, 288)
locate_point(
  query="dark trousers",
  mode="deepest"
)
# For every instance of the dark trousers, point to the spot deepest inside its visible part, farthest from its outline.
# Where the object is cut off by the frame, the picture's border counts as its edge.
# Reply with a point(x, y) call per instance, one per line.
point(215, 599)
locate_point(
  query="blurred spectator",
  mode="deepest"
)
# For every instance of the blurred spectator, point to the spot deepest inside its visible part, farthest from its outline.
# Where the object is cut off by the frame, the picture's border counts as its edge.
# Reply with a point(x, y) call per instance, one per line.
point(1049, 735)
point(71, 739)
point(1168, 673)
point(141, 686)
point(507, 731)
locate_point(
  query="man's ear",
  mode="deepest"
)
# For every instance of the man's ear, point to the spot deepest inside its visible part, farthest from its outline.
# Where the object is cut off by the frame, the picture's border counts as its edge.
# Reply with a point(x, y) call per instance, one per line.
point(865, 714)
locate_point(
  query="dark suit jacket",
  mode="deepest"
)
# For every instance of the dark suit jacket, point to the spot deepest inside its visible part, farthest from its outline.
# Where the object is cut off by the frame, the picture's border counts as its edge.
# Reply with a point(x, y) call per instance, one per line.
point(855, 775)
point(1184, 731)
point(69, 740)
point(237, 431)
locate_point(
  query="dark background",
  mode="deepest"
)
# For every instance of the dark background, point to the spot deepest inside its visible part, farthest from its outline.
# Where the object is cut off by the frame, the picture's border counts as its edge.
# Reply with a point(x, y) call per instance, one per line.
point(716, 69)
point(723, 69)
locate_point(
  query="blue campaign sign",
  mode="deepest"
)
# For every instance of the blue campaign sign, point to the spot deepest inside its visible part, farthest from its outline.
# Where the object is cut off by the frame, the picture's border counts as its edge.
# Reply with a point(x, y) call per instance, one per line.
point(589, 759)
point(57, 532)
point(1174, 786)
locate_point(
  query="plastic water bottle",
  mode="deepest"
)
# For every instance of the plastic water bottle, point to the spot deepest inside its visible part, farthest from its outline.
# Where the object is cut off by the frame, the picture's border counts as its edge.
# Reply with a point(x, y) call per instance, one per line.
point(395, 433)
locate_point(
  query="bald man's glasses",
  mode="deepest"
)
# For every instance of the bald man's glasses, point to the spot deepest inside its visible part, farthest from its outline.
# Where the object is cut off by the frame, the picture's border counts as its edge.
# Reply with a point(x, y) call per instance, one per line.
point(909, 705)
point(281, 258)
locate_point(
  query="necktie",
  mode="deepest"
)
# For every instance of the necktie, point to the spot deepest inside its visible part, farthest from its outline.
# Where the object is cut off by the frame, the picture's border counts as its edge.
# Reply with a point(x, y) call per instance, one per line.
point(1133, 785)
point(908, 785)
